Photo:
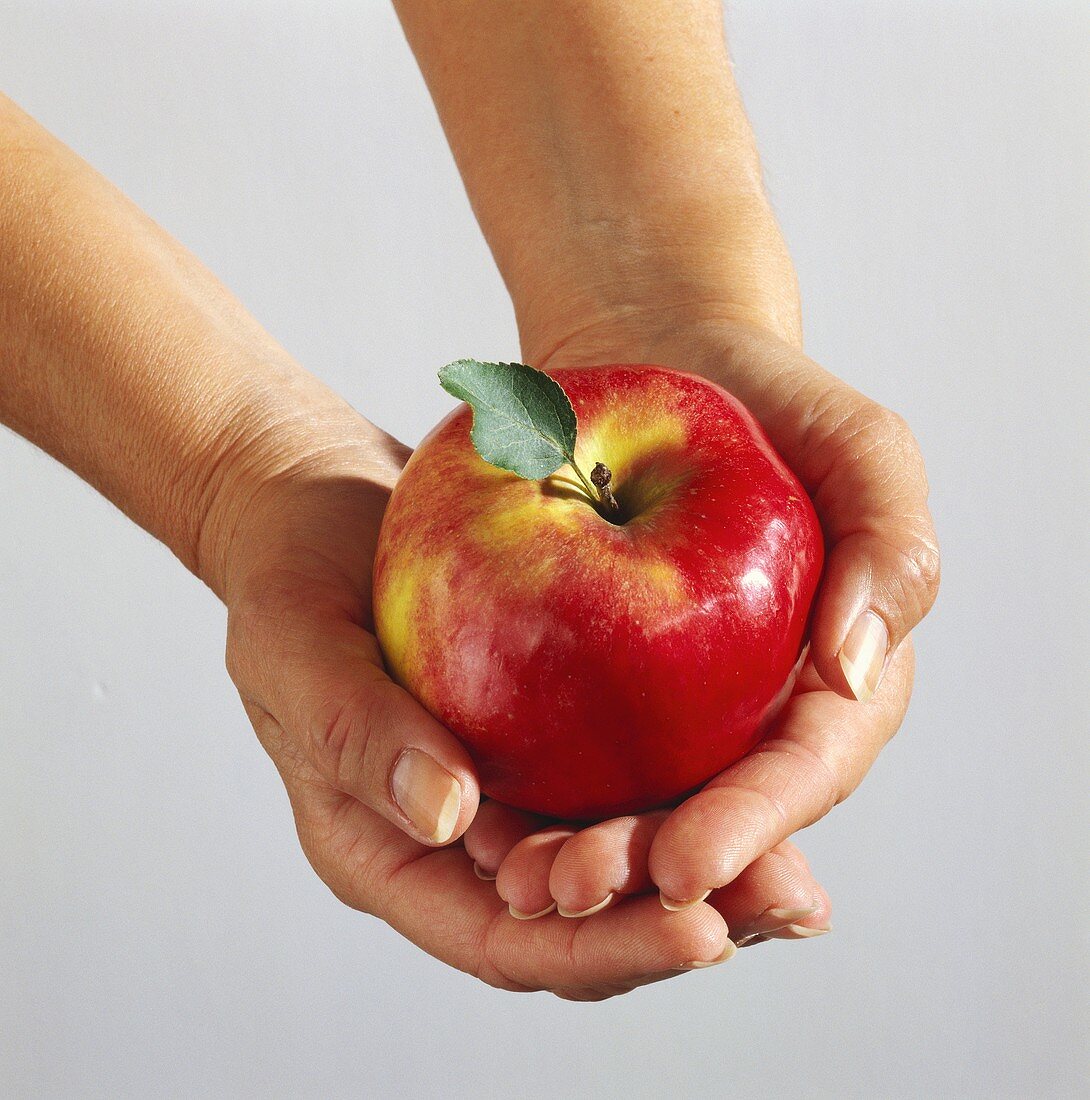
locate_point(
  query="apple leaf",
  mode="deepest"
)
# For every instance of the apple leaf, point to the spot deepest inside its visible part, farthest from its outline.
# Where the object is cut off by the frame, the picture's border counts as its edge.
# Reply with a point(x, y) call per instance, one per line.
point(522, 419)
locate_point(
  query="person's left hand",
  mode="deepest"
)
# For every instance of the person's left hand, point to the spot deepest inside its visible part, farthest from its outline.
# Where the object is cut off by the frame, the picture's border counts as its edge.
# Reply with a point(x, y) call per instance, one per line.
point(296, 539)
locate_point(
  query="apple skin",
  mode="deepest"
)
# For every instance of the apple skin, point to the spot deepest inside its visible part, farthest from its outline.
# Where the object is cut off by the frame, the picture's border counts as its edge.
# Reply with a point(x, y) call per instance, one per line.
point(591, 668)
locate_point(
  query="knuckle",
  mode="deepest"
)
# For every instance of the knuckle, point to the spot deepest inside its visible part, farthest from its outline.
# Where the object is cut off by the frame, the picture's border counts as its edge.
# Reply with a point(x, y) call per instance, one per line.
point(872, 427)
point(893, 427)
point(887, 435)
point(896, 441)
point(817, 781)
point(341, 730)
point(825, 417)
point(349, 742)
point(923, 554)
point(921, 568)
point(846, 429)
point(331, 727)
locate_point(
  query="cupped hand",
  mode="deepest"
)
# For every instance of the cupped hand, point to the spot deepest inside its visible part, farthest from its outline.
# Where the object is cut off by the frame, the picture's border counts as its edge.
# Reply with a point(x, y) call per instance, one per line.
point(377, 786)
point(863, 470)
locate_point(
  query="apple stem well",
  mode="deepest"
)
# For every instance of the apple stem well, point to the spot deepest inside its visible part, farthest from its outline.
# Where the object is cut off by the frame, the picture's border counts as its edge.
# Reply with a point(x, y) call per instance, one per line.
point(523, 422)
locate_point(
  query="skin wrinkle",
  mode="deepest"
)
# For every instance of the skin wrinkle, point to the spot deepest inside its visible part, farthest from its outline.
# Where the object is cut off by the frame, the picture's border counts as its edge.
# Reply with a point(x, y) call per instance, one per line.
point(783, 817)
point(384, 873)
point(346, 729)
point(831, 783)
point(210, 539)
point(361, 860)
point(497, 926)
point(920, 575)
point(400, 892)
point(485, 960)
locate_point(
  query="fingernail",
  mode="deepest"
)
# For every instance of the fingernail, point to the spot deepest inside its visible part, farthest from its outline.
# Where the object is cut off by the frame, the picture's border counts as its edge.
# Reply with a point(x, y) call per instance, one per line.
point(518, 914)
point(427, 794)
point(480, 872)
point(863, 655)
point(771, 920)
point(676, 906)
point(585, 912)
point(728, 953)
point(798, 929)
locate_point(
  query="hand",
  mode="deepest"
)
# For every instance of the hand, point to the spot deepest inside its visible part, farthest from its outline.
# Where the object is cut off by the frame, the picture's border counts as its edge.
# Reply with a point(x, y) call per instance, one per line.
point(297, 581)
point(864, 472)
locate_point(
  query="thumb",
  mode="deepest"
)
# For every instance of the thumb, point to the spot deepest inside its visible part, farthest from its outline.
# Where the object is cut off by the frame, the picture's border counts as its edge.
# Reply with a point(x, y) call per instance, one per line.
point(299, 657)
point(882, 568)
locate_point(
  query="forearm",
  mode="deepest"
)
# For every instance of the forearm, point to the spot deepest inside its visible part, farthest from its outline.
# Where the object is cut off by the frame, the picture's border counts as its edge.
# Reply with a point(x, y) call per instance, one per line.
point(125, 358)
point(607, 156)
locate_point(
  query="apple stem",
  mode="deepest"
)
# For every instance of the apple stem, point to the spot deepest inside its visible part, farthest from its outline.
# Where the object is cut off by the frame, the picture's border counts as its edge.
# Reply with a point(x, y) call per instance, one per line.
point(591, 491)
point(601, 475)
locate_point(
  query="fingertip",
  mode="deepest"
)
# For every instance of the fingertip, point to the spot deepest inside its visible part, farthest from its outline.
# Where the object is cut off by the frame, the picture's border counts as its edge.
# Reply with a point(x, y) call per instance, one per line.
point(851, 658)
point(698, 848)
point(776, 897)
point(494, 831)
point(707, 937)
point(730, 949)
point(523, 877)
point(628, 944)
point(606, 858)
point(518, 914)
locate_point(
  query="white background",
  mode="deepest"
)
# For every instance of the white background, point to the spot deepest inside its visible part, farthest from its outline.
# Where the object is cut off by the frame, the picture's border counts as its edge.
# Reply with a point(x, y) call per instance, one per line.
point(161, 933)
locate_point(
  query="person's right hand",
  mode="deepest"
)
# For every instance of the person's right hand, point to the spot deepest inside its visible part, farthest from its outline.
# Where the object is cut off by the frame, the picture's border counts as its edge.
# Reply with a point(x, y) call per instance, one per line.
point(863, 470)
point(377, 785)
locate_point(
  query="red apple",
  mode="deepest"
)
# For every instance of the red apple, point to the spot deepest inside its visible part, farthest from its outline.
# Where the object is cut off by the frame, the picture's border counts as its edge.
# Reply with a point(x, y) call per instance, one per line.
point(595, 667)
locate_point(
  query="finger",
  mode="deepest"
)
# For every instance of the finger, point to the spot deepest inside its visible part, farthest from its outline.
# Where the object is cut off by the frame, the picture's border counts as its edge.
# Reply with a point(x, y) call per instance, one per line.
point(882, 567)
point(296, 653)
point(620, 948)
point(863, 468)
point(434, 899)
point(523, 879)
point(776, 896)
point(602, 863)
point(818, 751)
point(495, 830)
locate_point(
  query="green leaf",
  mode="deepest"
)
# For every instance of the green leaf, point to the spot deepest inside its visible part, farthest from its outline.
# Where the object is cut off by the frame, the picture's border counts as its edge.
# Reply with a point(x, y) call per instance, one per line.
point(522, 419)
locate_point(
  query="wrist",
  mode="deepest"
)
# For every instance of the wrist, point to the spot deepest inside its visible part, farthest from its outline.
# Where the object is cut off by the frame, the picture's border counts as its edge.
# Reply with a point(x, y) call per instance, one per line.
point(287, 446)
point(653, 275)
